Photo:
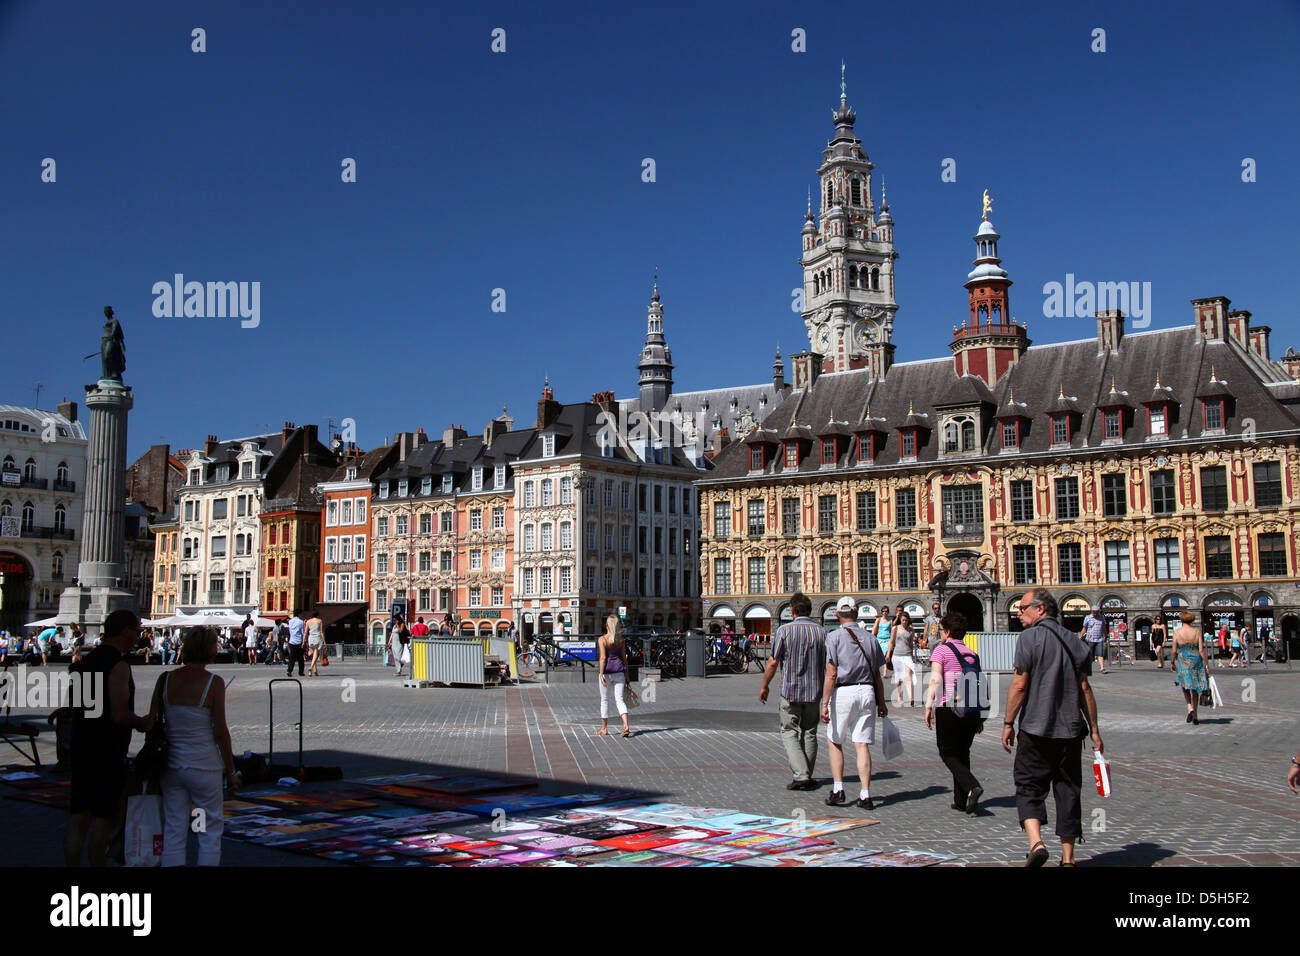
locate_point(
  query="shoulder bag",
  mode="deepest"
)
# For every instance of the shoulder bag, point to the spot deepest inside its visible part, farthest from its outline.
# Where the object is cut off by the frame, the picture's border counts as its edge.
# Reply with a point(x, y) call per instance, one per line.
point(151, 761)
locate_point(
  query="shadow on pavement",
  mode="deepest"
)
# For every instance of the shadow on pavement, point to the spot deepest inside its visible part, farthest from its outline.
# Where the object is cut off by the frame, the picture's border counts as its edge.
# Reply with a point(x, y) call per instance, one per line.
point(1134, 854)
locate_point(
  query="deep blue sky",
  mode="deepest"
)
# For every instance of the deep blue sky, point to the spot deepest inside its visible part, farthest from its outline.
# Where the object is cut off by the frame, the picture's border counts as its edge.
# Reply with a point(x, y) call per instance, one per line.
point(522, 171)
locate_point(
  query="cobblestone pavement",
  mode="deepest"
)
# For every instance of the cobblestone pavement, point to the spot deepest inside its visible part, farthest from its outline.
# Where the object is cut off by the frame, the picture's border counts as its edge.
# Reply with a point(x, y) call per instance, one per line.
point(1182, 794)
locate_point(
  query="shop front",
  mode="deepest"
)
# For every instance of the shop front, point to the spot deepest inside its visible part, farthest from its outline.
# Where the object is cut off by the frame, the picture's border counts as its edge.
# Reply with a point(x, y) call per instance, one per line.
point(1220, 611)
point(721, 618)
point(1261, 606)
point(758, 621)
point(1073, 610)
point(1115, 615)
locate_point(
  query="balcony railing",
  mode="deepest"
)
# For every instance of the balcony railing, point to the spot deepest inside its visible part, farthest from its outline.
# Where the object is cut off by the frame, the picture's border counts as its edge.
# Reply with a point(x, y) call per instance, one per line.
point(34, 531)
point(64, 485)
point(955, 529)
point(35, 482)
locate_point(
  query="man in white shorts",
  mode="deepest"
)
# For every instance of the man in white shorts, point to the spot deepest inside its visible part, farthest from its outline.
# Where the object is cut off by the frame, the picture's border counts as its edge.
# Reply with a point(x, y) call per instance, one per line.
point(852, 698)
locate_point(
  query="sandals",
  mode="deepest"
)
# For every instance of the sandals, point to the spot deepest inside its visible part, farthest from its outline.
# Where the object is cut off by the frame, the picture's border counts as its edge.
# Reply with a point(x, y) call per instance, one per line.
point(626, 733)
point(601, 733)
point(1037, 855)
point(1063, 863)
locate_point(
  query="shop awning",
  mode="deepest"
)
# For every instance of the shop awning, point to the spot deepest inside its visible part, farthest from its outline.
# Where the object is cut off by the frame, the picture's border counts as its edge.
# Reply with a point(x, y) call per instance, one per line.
point(333, 613)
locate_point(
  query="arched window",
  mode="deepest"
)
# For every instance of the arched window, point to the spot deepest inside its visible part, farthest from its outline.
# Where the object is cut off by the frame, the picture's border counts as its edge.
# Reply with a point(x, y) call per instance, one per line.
point(997, 315)
point(60, 518)
point(185, 548)
point(982, 315)
point(61, 475)
point(950, 436)
point(968, 436)
point(9, 463)
point(875, 279)
point(29, 470)
point(56, 566)
point(857, 192)
point(29, 516)
point(6, 508)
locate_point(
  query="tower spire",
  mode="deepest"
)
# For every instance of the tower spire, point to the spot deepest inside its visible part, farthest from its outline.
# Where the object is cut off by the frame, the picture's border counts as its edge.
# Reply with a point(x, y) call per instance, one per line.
point(843, 89)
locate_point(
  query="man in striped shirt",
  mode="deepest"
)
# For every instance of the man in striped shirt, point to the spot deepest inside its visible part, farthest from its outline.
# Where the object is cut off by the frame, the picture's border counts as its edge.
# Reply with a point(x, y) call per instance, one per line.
point(800, 648)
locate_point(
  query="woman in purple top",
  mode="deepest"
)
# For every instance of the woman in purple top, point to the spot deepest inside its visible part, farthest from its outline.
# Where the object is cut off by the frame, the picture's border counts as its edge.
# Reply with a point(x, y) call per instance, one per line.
point(954, 734)
point(613, 674)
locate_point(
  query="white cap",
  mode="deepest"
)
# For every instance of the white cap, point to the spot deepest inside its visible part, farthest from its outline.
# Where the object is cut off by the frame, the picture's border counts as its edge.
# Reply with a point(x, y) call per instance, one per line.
point(845, 605)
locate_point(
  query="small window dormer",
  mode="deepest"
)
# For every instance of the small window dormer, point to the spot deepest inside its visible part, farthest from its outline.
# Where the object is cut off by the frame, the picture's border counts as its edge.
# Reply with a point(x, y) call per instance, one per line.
point(476, 479)
point(756, 457)
point(791, 455)
point(448, 483)
point(1063, 414)
point(351, 473)
point(426, 485)
point(548, 446)
point(499, 476)
point(911, 433)
point(1216, 405)
point(959, 434)
point(383, 489)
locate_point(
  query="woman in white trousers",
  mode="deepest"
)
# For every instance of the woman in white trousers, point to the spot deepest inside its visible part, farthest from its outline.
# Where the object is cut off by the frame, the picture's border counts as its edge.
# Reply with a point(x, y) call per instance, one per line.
point(193, 702)
point(613, 674)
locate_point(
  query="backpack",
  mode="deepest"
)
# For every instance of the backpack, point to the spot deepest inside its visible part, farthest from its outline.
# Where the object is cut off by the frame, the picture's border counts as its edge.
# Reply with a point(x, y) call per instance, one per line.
point(969, 699)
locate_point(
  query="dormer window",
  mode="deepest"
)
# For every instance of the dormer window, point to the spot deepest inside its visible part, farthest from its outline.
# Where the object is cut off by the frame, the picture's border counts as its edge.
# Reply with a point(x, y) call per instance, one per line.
point(1112, 425)
point(383, 489)
point(1213, 414)
point(352, 473)
point(447, 482)
point(959, 435)
point(402, 488)
point(246, 469)
point(548, 446)
point(907, 443)
point(476, 479)
point(1157, 420)
point(756, 458)
point(499, 476)
point(866, 447)
point(828, 451)
point(426, 485)
point(1061, 429)
point(792, 454)
point(194, 476)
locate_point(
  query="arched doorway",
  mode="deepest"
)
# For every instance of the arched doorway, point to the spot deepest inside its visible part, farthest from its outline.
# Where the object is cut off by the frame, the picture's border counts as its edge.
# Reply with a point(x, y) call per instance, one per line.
point(1073, 610)
point(1290, 634)
point(969, 606)
point(758, 621)
point(15, 591)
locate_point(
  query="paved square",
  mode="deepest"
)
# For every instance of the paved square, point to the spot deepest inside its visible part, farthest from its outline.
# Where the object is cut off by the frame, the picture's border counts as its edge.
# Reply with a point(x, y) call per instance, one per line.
point(1182, 794)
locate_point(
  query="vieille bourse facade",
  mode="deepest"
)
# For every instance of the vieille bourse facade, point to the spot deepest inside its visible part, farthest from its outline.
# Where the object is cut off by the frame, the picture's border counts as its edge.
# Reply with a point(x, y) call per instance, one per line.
point(1146, 473)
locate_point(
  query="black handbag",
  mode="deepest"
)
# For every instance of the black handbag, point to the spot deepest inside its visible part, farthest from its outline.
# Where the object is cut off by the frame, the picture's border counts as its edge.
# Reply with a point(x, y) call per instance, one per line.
point(151, 761)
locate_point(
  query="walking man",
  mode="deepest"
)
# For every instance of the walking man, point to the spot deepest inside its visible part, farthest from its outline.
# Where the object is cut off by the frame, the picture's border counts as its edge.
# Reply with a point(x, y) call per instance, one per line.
point(852, 696)
point(800, 648)
point(297, 627)
point(930, 634)
point(97, 795)
point(1050, 695)
point(1094, 633)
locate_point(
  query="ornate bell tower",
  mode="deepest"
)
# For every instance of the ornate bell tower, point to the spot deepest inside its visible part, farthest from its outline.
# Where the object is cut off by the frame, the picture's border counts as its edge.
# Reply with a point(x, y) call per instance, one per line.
point(848, 261)
point(656, 363)
point(990, 341)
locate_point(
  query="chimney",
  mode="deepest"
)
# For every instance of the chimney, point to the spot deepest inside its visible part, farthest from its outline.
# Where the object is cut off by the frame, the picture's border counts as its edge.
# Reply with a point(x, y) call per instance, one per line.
point(806, 368)
point(1211, 317)
point(286, 431)
point(452, 434)
point(1110, 329)
point(406, 443)
point(548, 409)
point(210, 446)
point(68, 410)
point(1239, 326)
point(1259, 341)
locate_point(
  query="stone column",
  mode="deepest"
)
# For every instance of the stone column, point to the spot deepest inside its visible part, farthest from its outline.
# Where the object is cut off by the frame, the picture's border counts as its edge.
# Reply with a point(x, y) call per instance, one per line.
point(103, 524)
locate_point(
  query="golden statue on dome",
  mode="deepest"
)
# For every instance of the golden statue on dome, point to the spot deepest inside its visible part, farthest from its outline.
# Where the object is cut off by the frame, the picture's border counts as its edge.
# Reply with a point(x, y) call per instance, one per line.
point(988, 205)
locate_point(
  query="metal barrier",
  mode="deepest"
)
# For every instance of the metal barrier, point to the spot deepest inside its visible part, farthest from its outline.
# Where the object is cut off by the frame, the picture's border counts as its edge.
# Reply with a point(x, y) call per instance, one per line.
point(448, 661)
point(997, 649)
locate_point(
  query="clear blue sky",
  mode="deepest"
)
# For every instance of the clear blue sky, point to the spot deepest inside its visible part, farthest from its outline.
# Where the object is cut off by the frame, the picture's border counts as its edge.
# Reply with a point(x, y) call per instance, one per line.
point(522, 171)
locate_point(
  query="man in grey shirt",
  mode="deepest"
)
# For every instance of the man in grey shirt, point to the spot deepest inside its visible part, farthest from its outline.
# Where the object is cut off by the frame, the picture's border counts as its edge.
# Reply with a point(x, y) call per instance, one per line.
point(1050, 694)
point(853, 696)
point(799, 647)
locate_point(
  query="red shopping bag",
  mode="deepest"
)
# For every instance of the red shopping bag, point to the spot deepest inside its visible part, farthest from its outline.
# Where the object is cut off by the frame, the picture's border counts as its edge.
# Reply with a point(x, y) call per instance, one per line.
point(1101, 773)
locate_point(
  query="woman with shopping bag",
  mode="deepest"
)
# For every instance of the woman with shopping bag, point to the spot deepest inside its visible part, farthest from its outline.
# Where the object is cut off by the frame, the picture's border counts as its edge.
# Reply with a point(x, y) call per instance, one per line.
point(191, 702)
point(613, 674)
point(1191, 667)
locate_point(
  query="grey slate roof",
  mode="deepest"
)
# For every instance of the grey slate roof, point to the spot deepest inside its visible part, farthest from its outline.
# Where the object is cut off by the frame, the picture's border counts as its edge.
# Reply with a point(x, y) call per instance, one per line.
point(1259, 391)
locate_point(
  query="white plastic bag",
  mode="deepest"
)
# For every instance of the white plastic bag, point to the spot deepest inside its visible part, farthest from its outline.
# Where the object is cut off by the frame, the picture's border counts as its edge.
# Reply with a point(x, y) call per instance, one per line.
point(1214, 693)
point(891, 742)
point(406, 653)
point(144, 833)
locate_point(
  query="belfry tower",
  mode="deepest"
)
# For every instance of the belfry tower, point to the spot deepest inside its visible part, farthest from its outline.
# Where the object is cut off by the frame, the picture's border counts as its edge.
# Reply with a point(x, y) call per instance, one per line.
point(989, 342)
point(848, 259)
point(656, 363)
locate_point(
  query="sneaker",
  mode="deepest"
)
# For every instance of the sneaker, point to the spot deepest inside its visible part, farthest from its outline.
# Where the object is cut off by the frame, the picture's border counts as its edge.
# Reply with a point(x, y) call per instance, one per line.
point(867, 804)
point(836, 798)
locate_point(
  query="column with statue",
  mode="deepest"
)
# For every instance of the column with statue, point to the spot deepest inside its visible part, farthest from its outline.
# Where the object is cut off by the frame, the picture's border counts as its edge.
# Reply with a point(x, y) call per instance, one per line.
point(101, 572)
